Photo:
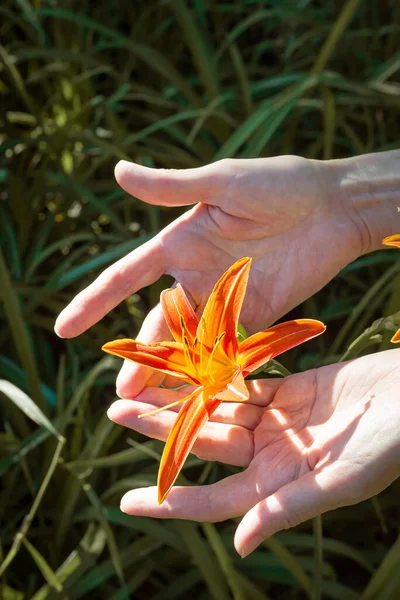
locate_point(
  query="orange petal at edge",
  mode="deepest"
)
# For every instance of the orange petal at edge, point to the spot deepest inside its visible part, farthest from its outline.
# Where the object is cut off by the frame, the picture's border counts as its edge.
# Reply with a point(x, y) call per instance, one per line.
point(221, 313)
point(236, 391)
point(175, 306)
point(191, 418)
point(396, 338)
point(392, 240)
point(167, 357)
point(265, 345)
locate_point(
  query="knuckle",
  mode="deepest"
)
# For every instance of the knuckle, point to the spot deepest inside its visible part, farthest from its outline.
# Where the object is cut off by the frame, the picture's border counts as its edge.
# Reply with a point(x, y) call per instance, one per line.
point(290, 519)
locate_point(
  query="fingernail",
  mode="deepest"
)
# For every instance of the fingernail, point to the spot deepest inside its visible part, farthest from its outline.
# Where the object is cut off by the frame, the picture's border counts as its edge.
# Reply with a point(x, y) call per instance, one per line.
point(251, 545)
point(110, 413)
point(56, 330)
point(124, 504)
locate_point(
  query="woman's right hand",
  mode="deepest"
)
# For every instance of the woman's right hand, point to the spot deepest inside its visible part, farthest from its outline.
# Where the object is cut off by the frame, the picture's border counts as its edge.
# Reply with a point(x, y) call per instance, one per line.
point(309, 443)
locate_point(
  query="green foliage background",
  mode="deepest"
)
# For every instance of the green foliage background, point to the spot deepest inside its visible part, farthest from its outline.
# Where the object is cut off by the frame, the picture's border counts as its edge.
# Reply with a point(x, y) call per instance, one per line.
point(174, 83)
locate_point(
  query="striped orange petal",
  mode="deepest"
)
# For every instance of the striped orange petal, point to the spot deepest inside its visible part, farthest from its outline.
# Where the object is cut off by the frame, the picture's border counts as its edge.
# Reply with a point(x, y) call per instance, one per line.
point(396, 338)
point(191, 418)
point(176, 307)
point(221, 313)
point(392, 240)
point(257, 349)
point(167, 357)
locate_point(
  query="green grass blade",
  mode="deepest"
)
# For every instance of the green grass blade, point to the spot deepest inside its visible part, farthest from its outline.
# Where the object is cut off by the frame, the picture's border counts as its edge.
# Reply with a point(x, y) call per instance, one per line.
point(383, 576)
point(329, 122)
point(79, 561)
point(305, 541)
point(376, 290)
point(289, 560)
point(23, 530)
point(61, 280)
point(158, 530)
point(318, 558)
point(55, 247)
point(199, 552)
point(199, 46)
point(142, 574)
point(44, 566)
point(224, 561)
point(336, 32)
point(153, 59)
point(131, 557)
point(28, 407)
point(19, 333)
point(30, 15)
point(111, 543)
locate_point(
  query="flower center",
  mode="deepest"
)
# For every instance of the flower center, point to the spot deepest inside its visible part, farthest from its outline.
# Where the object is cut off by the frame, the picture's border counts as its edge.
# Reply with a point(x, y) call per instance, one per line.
point(211, 367)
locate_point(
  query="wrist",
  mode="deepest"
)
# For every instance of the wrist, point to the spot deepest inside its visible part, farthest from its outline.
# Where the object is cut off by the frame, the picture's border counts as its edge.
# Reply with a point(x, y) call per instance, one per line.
point(367, 189)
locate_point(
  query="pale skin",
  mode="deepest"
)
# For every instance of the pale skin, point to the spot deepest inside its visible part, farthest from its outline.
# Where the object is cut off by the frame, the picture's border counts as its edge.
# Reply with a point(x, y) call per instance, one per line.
point(301, 221)
point(309, 443)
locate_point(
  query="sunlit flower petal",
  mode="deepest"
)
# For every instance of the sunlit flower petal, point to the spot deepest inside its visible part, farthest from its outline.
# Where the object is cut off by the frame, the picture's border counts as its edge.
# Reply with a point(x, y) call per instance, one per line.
point(396, 338)
point(176, 307)
point(191, 418)
point(265, 345)
point(392, 240)
point(164, 356)
point(221, 313)
point(236, 391)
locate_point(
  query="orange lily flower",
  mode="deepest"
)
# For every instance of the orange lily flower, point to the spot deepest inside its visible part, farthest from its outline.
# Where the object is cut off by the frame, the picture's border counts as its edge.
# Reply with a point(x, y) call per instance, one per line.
point(393, 240)
point(206, 353)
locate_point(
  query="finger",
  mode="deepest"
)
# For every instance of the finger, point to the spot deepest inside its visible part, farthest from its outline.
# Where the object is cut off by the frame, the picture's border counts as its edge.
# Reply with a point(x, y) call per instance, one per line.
point(138, 269)
point(228, 443)
point(222, 500)
point(174, 187)
point(263, 391)
point(228, 413)
point(294, 503)
point(132, 377)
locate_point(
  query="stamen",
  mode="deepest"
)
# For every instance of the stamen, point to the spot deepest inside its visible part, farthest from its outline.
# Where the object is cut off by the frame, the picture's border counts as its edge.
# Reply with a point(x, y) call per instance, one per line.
point(210, 359)
point(193, 352)
point(201, 344)
point(188, 358)
point(186, 350)
point(167, 406)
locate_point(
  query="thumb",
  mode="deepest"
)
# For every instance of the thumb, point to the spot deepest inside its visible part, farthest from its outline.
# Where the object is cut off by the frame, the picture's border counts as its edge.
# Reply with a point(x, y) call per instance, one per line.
point(175, 187)
point(296, 502)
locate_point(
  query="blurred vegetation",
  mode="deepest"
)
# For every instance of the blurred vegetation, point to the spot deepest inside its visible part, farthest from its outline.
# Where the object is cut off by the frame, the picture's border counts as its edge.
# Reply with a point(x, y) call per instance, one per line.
point(174, 83)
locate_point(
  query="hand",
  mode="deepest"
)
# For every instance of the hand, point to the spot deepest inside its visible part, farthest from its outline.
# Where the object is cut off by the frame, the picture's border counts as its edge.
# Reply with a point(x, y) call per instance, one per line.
point(311, 442)
point(284, 212)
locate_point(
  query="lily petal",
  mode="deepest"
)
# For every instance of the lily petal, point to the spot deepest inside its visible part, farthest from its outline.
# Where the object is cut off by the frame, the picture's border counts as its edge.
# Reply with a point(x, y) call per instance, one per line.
point(392, 240)
point(265, 345)
point(167, 357)
point(175, 307)
point(236, 391)
point(191, 418)
point(221, 313)
point(396, 338)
